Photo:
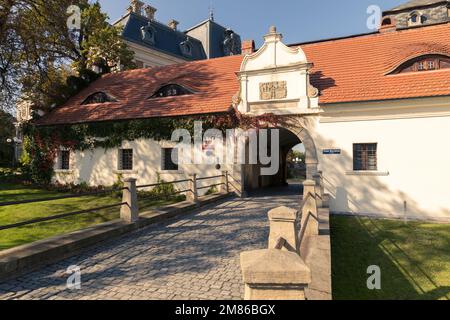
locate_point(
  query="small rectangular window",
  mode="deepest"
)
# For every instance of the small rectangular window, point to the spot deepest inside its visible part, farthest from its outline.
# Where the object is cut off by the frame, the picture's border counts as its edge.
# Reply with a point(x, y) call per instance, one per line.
point(365, 157)
point(126, 159)
point(169, 159)
point(64, 160)
point(421, 66)
point(431, 65)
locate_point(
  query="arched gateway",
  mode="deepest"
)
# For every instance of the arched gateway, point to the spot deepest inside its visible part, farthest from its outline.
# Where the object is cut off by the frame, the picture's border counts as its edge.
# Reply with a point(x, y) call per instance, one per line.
point(275, 80)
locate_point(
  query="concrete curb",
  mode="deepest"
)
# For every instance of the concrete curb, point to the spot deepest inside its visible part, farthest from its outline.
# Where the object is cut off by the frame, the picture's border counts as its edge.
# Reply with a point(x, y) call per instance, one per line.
point(30, 257)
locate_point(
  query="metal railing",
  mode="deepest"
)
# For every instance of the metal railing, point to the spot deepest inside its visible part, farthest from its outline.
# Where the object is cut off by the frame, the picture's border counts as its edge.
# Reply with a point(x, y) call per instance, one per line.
point(224, 183)
point(129, 207)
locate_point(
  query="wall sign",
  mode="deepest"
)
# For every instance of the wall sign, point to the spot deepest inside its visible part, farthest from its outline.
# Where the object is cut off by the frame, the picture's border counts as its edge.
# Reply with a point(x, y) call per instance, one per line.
point(331, 151)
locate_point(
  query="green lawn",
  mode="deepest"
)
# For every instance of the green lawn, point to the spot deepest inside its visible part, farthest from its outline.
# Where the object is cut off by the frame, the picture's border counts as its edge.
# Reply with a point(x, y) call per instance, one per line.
point(414, 258)
point(26, 234)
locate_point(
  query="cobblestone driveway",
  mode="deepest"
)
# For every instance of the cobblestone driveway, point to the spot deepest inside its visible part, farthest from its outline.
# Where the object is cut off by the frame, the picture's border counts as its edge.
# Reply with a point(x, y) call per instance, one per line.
point(193, 257)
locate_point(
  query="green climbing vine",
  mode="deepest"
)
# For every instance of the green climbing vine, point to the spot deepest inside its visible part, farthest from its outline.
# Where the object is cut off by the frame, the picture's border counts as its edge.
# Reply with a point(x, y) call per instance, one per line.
point(41, 143)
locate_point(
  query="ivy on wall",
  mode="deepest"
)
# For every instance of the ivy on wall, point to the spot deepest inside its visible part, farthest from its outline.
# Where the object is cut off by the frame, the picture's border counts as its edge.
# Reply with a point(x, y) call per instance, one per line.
point(41, 143)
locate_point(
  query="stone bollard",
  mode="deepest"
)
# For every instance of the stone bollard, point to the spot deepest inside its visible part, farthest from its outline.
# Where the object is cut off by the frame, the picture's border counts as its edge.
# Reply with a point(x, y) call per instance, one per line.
point(130, 211)
point(284, 223)
point(274, 275)
point(225, 185)
point(192, 195)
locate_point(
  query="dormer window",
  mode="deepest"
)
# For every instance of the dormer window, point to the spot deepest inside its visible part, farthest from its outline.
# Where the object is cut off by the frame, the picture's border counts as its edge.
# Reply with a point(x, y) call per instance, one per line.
point(148, 34)
point(186, 48)
point(386, 22)
point(171, 90)
point(424, 63)
point(416, 19)
point(420, 66)
point(431, 65)
point(98, 97)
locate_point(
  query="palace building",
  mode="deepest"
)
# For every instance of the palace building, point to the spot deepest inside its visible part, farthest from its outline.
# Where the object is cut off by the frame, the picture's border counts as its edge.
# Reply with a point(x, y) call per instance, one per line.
point(372, 111)
point(158, 44)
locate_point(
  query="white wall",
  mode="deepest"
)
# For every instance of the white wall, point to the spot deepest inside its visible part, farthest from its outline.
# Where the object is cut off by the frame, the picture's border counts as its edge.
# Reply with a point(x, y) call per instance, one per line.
point(100, 166)
point(275, 62)
point(413, 162)
point(152, 58)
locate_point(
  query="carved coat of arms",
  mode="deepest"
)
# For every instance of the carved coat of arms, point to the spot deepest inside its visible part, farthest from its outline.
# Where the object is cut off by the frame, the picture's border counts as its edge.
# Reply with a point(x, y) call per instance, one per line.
point(273, 90)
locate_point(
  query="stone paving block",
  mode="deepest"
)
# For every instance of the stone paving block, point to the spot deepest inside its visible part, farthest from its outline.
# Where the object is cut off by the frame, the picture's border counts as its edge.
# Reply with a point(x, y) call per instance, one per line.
point(196, 257)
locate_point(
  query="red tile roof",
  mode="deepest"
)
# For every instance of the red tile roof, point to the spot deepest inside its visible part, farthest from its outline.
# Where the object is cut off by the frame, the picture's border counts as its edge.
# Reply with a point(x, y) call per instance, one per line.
point(345, 70)
point(355, 69)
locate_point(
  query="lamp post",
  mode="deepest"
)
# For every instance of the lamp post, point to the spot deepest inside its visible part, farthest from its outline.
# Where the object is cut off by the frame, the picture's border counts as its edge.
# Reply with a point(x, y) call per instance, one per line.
point(14, 142)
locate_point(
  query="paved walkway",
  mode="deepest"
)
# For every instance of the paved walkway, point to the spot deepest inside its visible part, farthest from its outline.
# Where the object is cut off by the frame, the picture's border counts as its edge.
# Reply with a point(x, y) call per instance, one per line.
point(193, 257)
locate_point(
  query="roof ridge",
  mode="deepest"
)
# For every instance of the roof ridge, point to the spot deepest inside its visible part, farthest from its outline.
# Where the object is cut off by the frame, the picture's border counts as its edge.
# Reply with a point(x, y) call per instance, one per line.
point(181, 64)
point(376, 33)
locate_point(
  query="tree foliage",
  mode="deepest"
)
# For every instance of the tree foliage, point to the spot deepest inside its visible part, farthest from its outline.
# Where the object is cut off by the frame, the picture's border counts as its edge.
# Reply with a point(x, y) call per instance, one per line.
point(38, 52)
point(7, 131)
point(294, 154)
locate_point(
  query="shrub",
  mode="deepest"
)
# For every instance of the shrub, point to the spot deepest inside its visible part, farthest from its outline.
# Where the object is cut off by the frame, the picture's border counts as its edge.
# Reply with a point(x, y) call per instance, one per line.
point(212, 190)
point(165, 190)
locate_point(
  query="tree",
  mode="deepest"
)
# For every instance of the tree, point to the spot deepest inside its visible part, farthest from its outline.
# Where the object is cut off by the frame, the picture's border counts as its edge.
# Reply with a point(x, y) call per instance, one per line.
point(294, 154)
point(7, 131)
point(38, 52)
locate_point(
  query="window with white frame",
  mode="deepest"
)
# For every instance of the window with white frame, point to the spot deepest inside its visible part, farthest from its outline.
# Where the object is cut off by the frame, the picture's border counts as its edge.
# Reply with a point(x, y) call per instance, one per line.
point(125, 159)
point(365, 157)
point(169, 159)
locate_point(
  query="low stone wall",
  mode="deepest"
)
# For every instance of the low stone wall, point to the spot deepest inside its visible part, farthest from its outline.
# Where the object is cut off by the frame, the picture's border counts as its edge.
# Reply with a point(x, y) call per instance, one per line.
point(297, 263)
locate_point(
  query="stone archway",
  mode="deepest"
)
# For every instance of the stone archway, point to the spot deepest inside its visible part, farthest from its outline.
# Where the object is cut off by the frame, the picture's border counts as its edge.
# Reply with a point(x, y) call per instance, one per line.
point(290, 136)
point(312, 159)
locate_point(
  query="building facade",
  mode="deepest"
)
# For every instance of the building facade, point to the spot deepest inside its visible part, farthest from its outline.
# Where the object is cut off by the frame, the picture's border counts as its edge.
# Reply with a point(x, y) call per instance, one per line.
point(158, 44)
point(372, 111)
point(416, 13)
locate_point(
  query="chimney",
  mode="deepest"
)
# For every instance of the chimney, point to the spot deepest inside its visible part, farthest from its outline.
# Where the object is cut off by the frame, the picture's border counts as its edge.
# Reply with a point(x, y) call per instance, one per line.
point(150, 12)
point(248, 47)
point(173, 24)
point(136, 6)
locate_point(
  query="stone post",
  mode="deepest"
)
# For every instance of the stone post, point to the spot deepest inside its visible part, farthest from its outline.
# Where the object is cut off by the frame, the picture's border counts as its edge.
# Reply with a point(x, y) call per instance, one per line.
point(129, 212)
point(274, 275)
point(322, 185)
point(225, 185)
point(310, 223)
point(318, 190)
point(284, 223)
point(192, 195)
point(309, 186)
point(238, 178)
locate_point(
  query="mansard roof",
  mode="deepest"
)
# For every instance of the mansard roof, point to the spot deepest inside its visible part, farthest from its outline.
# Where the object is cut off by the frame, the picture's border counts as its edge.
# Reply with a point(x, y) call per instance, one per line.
point(167, 40)
point(216, 38)
point(353, 69)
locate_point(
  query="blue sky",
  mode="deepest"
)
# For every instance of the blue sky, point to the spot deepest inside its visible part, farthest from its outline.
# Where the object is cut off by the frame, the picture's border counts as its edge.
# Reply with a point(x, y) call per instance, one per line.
point(298, 20)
